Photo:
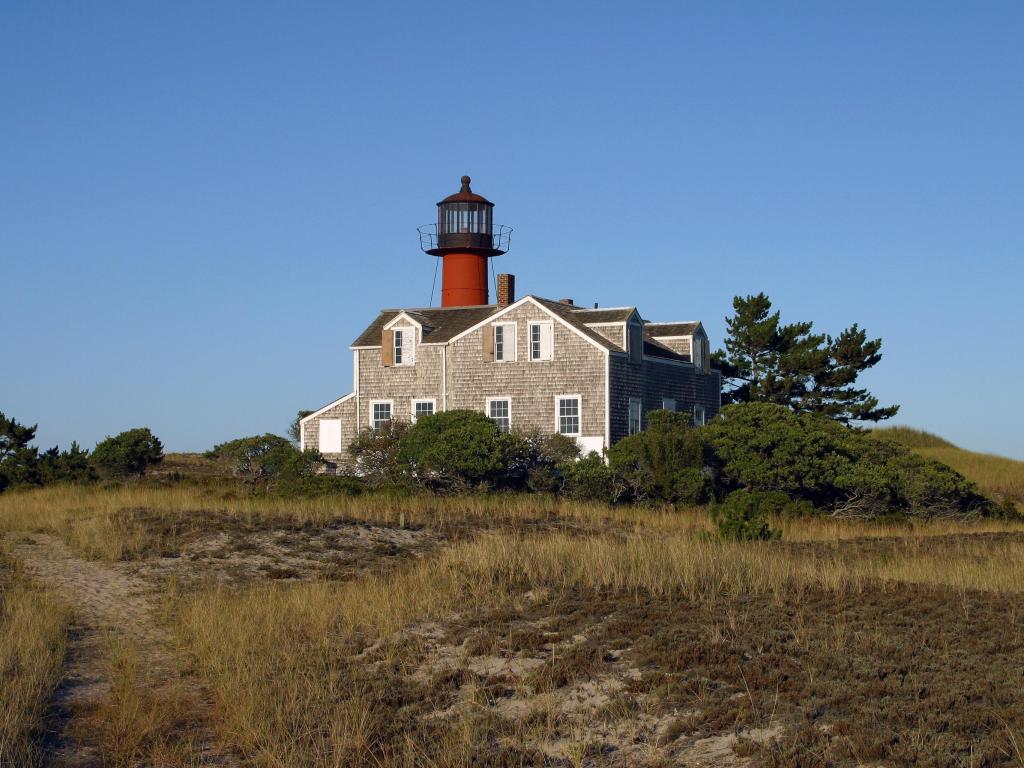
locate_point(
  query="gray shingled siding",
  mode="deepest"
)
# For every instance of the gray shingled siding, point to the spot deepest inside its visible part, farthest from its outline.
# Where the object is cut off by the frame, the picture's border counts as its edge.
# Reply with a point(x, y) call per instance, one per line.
point(345, 411)
point(401, 383)
point(577, 368)
point(654, 381)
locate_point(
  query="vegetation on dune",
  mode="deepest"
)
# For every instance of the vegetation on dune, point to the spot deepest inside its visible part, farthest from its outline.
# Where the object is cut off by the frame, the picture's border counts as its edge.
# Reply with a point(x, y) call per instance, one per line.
point(33, 636)
point(129, 453)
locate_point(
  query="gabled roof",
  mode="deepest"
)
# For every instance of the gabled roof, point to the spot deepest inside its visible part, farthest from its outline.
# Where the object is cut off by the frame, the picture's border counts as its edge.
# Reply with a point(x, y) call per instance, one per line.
point(663, 330)
point(440, 324)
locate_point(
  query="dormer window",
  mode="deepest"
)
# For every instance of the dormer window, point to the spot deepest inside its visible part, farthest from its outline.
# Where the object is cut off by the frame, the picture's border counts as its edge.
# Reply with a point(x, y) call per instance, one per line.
point(635, 342)
point(404, 346)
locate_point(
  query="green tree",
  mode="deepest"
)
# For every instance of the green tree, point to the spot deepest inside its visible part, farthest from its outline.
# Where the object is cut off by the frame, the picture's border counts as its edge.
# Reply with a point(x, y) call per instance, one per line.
point(254, 457)
point(375, 453)
point(666, 461)
point(295, 428)
point(765, 360)
point(128, 453)
point(453, 450)
point(19, 462)
point(70, 466)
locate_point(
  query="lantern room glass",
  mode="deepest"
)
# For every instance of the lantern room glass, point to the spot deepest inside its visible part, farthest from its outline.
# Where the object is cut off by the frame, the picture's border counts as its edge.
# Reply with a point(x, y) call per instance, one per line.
point(464, 218)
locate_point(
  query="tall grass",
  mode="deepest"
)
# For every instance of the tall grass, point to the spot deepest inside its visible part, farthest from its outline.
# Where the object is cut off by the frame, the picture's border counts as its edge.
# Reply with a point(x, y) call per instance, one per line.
point(298, 674)
point(33, 636)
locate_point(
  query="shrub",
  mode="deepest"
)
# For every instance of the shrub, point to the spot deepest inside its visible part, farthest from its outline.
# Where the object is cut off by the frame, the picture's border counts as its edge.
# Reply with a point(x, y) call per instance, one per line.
point(375, 453)
point(128, 453)
point(454, 450)
point(766, 447)
point(254, 457)
point(590, 479)
point(666, 462)
point(741, 516)
point(544, 454)
point(310, 485)
point(70, 466)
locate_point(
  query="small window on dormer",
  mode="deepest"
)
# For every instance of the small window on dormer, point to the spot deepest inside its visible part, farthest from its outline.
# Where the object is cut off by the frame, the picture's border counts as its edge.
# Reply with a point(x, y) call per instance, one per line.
point(405, 346)
point(636, 342)
point(697, 351)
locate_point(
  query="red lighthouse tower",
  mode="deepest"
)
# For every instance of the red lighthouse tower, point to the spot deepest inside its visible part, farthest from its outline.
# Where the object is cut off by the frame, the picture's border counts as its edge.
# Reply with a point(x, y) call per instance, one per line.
point(465, 237)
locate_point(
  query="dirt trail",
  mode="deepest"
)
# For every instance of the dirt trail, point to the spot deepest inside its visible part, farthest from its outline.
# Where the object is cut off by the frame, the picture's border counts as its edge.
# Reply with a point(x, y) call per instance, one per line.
point(107, 603)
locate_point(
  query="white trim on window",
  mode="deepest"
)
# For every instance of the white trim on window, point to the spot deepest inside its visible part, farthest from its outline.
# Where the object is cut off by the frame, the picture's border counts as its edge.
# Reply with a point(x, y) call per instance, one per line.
point(509, 341)
point(420, 401)
point(405, 346)
point(578, 415)
point(372, 418)
point(540, 346)
point(634, 417)
point(668, 404)
point(507, 427)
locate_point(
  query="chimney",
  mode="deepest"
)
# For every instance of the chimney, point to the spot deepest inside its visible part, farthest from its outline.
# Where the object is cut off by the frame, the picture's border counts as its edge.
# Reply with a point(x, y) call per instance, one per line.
point(506, 290)
point(567, 301)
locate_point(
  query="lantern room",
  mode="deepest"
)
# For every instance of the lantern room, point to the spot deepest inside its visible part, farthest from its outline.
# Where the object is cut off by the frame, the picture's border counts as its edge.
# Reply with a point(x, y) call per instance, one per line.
point(465, 237)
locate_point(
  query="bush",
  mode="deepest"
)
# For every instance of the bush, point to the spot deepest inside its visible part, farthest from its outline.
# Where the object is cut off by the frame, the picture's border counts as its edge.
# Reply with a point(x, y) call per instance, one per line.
point(590, 479)
point(666, 462)
point(741, 516)
point(544, 455)
point(455, 450)
point(375, 453)
point(128, 453)
point(311, 485)
point(255, 457)
point(807, 457)
point(71, 466)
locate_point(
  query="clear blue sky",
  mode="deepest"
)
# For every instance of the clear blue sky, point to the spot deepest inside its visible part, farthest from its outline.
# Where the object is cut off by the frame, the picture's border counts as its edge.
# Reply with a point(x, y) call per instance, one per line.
point(202, 204)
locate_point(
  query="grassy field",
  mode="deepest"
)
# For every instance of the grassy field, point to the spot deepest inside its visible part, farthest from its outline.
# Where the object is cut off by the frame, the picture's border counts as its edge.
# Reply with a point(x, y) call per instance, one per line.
point(527, 631)
point(33, 633)
point(995, 475)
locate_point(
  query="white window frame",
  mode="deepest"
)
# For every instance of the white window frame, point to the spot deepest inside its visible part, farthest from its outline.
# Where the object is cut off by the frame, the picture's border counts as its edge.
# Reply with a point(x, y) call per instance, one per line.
point(320, 437)
point(579, 415)
point(551, 341)
point(417, 401)
point(666, 401)
point(639, 416)
point(507, 344)
point(508, 404)
point(699, 415)
point(391, 409)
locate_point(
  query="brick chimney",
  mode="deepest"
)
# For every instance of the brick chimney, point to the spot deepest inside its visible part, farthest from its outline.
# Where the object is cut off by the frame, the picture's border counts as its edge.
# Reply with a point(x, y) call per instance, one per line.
point(506, 290)
point(567, 301)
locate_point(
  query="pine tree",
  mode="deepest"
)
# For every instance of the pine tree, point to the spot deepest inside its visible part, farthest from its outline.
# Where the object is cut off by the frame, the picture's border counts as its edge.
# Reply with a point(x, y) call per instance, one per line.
point(767, 361)
point(19, 463)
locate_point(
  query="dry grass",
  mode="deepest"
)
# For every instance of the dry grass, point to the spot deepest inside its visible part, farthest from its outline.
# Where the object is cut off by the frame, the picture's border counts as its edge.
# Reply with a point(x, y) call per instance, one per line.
point(283, 662)
point(995, 475)
point(33, 636)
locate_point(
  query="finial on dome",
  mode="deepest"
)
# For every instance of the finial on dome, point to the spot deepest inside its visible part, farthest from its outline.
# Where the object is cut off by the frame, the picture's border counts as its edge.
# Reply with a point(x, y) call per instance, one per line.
point(465, 183)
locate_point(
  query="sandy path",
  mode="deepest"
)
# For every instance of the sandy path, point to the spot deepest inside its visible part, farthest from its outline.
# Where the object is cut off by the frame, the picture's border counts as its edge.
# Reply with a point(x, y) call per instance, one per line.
point(106, 601)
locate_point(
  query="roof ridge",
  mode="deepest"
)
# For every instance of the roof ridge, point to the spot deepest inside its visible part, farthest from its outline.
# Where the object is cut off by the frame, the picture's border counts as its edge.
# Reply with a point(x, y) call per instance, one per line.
point(438, 309)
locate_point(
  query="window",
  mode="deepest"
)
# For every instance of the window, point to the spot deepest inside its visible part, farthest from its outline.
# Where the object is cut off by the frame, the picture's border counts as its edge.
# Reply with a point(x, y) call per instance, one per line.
point(405, 346)
point(422, 408)
point(568, 414)
point(698, 415)
point(636, 342)
point(540, 341)
point(505, 342)
point(697, 354)
point(380, 414)
point(668, 404)
point(330, 436)
point(499, 410)
point(634, 415)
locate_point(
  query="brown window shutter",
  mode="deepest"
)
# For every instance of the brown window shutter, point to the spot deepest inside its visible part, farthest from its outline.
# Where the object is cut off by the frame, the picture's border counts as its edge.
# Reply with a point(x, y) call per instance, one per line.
point(387, 348)
point(488, 349)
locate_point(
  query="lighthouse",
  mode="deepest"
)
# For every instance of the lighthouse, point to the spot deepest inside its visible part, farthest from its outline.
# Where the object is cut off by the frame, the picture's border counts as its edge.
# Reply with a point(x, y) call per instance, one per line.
point(465, 237)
